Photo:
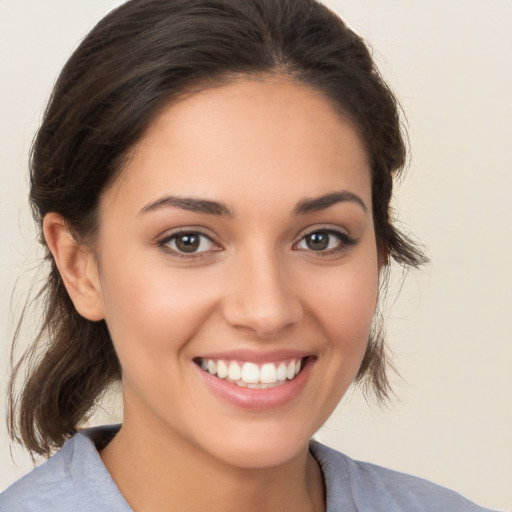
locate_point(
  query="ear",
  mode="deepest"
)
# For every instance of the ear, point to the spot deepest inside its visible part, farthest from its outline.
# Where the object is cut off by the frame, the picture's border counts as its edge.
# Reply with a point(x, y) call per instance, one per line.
point(77, 266)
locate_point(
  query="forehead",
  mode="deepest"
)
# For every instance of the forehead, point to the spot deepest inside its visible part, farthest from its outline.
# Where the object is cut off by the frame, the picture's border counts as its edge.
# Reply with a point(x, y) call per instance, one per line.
point(250, 139)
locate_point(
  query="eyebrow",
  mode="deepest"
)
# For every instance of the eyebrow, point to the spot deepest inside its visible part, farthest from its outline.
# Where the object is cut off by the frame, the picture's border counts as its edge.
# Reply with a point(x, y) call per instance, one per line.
point(321, 203)
point(190, 204)
point(209, 207)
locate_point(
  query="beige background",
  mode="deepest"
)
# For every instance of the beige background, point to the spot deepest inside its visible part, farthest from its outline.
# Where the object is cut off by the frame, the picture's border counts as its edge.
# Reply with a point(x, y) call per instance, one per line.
point(450, 64)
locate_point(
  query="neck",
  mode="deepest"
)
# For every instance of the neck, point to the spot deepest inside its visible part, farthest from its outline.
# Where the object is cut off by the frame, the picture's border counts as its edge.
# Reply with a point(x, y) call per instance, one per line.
point(158, 472)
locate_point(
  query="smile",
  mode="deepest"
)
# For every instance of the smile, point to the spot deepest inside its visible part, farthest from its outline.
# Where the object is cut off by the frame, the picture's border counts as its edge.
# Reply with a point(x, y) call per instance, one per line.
point(252, 375)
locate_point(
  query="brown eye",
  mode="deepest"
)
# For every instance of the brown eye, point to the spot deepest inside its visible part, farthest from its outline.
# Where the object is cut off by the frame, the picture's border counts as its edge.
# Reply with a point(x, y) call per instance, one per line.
point(318, 241)
point(189, 243)
point(325, 241)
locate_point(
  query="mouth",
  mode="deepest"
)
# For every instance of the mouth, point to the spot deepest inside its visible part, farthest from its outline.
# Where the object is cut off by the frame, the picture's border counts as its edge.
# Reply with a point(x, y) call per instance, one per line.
point(253, 375)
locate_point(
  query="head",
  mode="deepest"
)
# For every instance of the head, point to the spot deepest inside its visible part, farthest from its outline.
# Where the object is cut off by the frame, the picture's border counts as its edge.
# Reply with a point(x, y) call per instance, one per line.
point(140, 64)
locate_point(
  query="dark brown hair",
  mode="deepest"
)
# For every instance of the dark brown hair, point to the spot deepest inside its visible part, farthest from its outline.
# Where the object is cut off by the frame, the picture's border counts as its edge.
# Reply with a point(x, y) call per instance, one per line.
point(135, 61)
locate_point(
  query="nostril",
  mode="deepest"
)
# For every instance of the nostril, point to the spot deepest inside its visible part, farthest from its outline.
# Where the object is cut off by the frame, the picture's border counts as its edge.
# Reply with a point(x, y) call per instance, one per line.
point(265, 327)
point(262, 302)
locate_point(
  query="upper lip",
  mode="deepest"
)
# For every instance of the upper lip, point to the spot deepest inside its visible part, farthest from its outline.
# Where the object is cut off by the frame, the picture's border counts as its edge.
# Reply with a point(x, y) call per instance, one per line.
point(255, 356)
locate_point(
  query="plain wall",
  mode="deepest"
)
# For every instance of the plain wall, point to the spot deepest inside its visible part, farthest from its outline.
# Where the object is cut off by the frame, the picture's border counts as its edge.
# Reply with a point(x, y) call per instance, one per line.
point(450, 63)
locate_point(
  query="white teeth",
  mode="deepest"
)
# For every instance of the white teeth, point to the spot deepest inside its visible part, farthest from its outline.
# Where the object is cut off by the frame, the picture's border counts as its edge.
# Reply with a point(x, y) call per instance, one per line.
point(281, 371)
point(222, 369)
point(234, 372)
point(250, 374)
point(290, 371)
point(268, 373)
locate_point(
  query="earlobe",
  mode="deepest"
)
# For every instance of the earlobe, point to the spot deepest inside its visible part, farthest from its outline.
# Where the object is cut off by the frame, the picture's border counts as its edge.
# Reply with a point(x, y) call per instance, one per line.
point(77, 267)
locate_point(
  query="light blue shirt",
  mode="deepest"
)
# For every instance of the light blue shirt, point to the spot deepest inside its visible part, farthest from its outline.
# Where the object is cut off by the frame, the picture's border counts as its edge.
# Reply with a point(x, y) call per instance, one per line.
point(76, 480)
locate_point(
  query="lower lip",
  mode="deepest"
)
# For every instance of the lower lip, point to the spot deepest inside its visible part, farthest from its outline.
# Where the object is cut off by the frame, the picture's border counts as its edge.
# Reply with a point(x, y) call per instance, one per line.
point(258, 399)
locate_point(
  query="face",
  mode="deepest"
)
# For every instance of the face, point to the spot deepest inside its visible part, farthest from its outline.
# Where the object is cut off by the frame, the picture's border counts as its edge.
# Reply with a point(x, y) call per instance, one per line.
point(238, 270)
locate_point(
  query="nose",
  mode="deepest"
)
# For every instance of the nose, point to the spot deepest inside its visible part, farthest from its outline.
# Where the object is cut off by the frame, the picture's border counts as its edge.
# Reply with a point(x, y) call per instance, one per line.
point(259, 297)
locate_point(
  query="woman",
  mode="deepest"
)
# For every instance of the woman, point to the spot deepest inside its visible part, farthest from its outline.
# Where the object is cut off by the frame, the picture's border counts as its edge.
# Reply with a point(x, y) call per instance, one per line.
point(212, 181)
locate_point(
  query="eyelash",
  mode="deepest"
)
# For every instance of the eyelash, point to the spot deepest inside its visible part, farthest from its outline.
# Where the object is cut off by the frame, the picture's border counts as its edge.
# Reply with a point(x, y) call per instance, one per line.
point(163, 243)
point(345, 241)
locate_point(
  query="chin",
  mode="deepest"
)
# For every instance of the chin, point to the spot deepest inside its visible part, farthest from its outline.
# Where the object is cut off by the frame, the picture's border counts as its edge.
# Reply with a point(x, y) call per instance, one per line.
point(263, 448)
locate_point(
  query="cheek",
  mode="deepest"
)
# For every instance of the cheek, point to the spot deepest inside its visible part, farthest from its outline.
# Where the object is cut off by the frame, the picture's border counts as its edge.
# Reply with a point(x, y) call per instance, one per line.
point(150, 312)
point(342, 305)
point(346, 307)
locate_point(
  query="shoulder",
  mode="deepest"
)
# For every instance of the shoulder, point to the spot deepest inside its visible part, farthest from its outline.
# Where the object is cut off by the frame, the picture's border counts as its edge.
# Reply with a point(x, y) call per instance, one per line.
point(72, 479)
point(357, 485)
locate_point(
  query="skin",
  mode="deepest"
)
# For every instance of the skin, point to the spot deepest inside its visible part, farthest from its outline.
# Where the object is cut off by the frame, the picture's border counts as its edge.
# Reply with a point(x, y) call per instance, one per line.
point(260, 148)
